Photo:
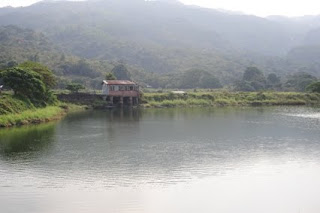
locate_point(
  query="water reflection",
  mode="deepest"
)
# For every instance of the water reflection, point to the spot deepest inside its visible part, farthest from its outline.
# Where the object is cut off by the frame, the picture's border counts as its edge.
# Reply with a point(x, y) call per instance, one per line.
point(197, 154)
point(28, 141)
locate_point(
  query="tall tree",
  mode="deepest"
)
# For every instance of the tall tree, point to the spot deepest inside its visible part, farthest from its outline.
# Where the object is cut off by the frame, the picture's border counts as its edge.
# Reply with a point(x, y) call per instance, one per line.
point(314, 87)
point(253, 74)
point(299, 81)
point(121, 72)
point(46, 74)
point(74, 87)
point(110, 76)
point(253, 78)
point(27, 84)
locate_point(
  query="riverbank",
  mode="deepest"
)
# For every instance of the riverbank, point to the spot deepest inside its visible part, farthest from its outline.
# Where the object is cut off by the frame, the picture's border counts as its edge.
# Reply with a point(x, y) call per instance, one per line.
point(16, 112)
point(34, 116)
point(225, 98)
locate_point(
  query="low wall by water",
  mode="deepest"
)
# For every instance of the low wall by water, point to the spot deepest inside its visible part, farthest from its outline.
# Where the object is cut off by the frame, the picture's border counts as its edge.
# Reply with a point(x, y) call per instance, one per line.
point(81, 98)
point(97, 101)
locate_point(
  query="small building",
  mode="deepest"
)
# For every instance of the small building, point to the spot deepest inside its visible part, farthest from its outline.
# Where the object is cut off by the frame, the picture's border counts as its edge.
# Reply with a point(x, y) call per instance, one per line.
point(121, 91)
point(178, 92)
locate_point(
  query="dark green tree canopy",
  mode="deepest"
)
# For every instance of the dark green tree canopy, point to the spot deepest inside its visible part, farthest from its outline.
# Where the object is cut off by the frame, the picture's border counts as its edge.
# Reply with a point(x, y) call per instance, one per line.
point(121, 72)
point(26, 83)
point(74, 87)
point(253, 79)
point(314, 87)
point(273, 79)
point(110, 76)
point(244, 86)
point(252, 74)
point(45, 73)
point(299, 81)
point(198, 79)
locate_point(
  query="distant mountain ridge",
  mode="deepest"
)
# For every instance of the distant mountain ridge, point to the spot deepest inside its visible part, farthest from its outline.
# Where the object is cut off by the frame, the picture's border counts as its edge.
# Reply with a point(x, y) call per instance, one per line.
point(167, 36)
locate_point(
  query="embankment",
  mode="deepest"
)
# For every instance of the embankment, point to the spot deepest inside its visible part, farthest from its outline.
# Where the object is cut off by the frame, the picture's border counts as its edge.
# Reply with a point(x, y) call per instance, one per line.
point(224, 98)
point(15, 111)
point(34, 116)
point(208, 99)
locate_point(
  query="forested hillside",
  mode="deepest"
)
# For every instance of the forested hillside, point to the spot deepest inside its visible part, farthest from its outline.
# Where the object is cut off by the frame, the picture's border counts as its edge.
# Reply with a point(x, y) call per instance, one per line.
point(158, 40)
point(18, 45)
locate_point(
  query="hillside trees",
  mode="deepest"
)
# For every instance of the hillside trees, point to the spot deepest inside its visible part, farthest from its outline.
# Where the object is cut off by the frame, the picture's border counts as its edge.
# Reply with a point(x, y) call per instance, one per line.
point(273, 81)
point(80, 68)
point(253, 80)
point(46, 75)
point(121, 72)
point(314, 87)
point(74, 87)
point(110, 76)
point(299, 81)
point(197, 78)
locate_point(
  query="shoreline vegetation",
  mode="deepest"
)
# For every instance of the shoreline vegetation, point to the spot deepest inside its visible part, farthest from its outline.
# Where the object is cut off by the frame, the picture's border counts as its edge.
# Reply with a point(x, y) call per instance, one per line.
point(17, 112)
point(226, 98)
point(38, 116)
point(35, 116)
point(27, 96)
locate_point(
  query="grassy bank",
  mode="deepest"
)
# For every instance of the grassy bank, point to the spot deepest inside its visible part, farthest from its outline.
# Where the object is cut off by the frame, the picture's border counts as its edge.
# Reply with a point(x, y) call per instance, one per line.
point(10, 104)
point(33, 116)
point(224, 98)
point(16, 111)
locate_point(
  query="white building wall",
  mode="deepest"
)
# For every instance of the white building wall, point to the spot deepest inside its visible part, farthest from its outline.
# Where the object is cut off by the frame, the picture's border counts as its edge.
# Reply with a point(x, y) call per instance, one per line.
point(105, 89)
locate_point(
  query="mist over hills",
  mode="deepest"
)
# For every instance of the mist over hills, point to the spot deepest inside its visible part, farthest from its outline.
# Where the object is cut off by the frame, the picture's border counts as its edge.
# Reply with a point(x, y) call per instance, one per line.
point(169, 37)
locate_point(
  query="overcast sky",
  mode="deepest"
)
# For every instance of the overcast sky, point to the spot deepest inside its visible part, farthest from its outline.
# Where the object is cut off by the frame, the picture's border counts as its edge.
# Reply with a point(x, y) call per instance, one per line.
point(254, 7)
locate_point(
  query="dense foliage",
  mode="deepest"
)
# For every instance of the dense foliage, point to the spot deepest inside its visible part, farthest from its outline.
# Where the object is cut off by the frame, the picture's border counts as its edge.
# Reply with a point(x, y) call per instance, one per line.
point(120, 72)
point(30, 82)
point(74, 88)
point(25, 83)
point(314, 87)
point(299, 81)
point(110, 76)
point(46, 75)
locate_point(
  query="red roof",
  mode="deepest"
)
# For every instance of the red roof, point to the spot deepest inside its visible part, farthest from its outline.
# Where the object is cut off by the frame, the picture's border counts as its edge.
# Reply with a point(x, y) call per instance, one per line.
point(119, 82)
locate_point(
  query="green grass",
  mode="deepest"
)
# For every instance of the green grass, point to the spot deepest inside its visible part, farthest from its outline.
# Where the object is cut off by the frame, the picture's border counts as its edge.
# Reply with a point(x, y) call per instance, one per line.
point(10, 104)
point(16, 111)
point(31, 116)
point(226, 98)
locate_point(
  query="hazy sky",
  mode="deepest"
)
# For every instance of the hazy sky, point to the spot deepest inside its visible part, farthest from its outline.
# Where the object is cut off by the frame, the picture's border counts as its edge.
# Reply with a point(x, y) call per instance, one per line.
point(264, 7)
point(255, 7)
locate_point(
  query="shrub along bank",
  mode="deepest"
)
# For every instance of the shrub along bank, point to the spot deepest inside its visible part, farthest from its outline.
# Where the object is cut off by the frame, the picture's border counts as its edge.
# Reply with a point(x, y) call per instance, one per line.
point(31, 99)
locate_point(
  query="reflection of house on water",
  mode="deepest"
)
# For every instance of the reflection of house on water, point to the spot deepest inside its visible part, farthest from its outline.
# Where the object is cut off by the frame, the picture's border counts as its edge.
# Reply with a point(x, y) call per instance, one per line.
point(121, 92)
point(124, 115)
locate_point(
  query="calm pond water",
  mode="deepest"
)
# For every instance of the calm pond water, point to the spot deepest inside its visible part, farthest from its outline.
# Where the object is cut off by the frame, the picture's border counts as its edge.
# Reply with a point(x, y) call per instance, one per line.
point(250, 160)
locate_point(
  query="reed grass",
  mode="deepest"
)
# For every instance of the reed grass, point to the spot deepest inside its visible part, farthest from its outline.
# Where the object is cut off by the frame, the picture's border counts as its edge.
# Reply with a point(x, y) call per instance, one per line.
point(226, 98)
point(32, 116)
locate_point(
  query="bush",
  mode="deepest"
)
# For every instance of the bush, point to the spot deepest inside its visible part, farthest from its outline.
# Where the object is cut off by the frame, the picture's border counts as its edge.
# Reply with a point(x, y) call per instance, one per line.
point(74, 88)
point(314, 87)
